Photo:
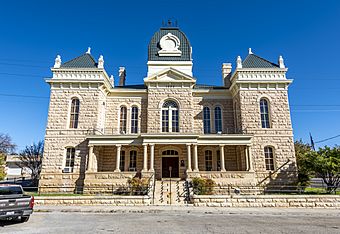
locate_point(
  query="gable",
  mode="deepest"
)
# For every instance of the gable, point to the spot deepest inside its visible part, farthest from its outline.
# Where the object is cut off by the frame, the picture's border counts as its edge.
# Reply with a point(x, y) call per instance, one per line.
point(170, 75)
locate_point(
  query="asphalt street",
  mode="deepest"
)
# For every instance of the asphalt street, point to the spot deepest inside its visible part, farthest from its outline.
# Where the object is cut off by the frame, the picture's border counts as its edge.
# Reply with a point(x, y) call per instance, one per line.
point(179, 221)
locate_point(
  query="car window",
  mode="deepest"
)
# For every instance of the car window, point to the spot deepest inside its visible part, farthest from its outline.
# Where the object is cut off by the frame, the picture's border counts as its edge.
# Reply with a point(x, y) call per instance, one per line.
point(10, 190)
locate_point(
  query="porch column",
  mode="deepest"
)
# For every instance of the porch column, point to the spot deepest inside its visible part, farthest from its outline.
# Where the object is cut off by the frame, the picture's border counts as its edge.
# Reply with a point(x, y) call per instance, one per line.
point(145, 162)
point(222, 158)
point(247, 158)
point(90, 162)
point(152, 157)
point(195, 158)
point(118, 158)
point(251, 168)
point(189, 157)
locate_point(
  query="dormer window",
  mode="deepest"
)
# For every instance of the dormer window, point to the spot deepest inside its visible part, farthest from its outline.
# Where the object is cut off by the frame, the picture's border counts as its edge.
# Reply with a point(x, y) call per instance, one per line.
point(170, 118)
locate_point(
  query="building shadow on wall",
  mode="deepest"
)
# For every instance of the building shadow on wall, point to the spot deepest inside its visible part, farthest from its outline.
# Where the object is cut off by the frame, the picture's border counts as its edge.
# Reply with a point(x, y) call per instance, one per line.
point(283, 179)
point(83, 152)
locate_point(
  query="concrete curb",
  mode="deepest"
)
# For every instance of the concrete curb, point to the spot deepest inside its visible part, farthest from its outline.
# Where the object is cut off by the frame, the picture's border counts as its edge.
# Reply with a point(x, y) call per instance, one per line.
point(188, 209)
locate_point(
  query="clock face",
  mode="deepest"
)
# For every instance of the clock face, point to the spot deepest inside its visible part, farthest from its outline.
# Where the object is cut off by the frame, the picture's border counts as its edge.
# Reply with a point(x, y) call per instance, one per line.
point(169, 45)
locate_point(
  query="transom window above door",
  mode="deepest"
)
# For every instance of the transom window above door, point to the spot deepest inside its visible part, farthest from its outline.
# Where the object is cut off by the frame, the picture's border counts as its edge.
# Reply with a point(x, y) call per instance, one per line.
point(169, 152)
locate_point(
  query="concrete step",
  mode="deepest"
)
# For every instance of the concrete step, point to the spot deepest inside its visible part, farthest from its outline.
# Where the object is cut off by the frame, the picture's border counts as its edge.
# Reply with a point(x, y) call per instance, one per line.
point(167, 193)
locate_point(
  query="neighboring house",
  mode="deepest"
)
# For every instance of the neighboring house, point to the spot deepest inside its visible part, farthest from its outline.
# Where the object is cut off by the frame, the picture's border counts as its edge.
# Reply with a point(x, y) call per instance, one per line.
point(237, 133)
point(14, 170)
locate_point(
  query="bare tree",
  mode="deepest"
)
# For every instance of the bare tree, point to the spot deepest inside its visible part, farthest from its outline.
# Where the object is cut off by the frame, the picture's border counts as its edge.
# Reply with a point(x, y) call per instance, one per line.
point(6, 147)
point(6, 144)
point(31, 157)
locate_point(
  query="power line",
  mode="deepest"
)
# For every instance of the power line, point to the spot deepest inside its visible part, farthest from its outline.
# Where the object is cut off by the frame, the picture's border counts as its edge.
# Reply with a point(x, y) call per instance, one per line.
point(18, 95)
point(327, 139)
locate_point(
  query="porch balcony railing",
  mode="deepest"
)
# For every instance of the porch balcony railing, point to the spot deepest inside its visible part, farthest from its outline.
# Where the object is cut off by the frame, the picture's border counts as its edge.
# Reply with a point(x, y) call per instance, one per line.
point(116, 131)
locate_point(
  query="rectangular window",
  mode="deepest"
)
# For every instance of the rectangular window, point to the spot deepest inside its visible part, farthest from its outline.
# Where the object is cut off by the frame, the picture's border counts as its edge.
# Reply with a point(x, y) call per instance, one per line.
point(74, 113)
point(208, 160)
point(123, 115)
point(269, 158)
point(165, 121)
point(134, 120)
point(133, 160)
point(206, 120)
point(122, 161)
point(264, 109)
point(218, 120)
point(70, 155)
point(175, 126)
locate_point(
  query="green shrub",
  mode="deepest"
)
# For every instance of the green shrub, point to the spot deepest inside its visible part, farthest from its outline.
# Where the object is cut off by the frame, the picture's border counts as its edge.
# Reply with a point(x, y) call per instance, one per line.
point(203, 186)
point(138, 186)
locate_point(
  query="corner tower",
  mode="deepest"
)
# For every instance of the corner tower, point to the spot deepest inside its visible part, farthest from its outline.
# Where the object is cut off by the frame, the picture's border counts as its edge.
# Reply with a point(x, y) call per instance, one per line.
point(169, 47)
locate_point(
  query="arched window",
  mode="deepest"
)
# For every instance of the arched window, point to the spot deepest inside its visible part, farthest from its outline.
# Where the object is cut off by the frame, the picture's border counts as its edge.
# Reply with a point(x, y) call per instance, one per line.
point(208, 160)
point(264, 108)
point(218, 119)
point(134, 119)
point(170, 122)
point(206, 120)
point(74, 116)
point(133, 160)
point(123, 120)
point(269, 158)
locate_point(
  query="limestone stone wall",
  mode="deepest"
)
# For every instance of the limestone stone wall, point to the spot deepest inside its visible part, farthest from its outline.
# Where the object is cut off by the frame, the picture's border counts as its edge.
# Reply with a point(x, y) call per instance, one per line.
point(156, 97)
point(279, 136)
point(59, 136)
point(112, 118)
point(93, 200)
point(281, 201)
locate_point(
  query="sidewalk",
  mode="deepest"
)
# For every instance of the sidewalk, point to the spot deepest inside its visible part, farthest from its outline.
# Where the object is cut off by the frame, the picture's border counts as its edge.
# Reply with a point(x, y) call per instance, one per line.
point(187, 209)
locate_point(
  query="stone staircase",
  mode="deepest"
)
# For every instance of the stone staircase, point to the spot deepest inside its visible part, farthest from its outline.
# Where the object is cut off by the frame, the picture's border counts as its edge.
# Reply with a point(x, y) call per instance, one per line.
point(170, 193)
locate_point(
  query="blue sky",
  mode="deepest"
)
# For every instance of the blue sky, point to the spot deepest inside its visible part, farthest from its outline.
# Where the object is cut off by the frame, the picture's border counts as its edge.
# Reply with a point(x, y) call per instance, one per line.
point(306, 33)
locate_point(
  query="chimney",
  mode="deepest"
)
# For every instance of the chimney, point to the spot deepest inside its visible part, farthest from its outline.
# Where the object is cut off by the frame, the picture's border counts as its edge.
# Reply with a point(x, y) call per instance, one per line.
point(122, 75)
point(226, 74)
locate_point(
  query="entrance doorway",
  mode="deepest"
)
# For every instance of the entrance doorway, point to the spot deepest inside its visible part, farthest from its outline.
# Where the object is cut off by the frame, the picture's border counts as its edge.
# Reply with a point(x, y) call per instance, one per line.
point(168, 162)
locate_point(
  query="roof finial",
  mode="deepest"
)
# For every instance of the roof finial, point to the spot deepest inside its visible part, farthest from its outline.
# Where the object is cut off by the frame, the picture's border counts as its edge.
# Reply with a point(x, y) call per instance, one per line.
point(281, 63)
point(101, 61)
point(239, 62)
point(88, 50)
point(57, 62)
point(249, 51)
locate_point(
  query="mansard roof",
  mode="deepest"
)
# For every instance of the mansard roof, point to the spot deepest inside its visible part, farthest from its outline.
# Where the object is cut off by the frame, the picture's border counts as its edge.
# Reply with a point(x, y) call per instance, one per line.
point(254, 61)
point(83, 61)
point(154, 45)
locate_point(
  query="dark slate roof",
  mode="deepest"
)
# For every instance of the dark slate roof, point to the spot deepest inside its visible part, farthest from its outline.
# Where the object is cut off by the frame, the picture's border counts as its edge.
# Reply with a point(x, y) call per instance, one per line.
point(154, 47)
point(83, 61)
point(197, 86)
point(204, 86)
point(254, 61)
point(137, 86)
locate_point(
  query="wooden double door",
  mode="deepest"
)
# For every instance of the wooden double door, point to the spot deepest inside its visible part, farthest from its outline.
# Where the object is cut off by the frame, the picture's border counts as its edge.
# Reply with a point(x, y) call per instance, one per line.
point(170, 163)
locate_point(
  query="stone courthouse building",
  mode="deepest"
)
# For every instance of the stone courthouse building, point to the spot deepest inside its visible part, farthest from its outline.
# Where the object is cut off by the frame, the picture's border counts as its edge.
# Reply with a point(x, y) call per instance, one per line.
point(100, 133)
